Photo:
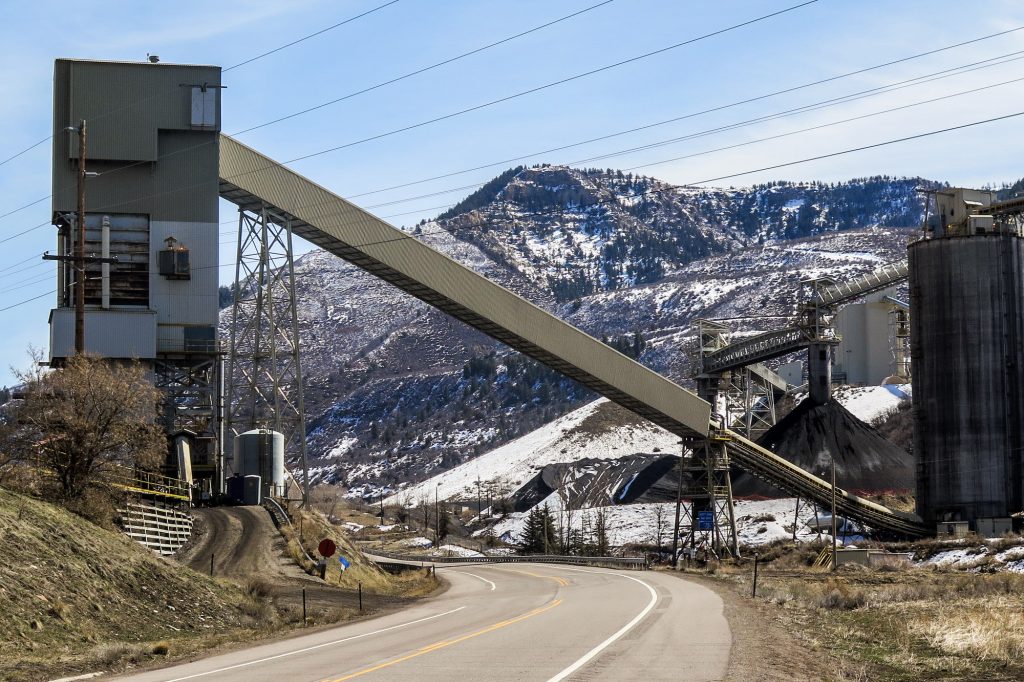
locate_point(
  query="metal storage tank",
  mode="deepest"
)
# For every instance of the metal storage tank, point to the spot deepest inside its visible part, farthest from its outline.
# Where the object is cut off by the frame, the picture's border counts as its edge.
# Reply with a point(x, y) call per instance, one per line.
point(967, 330)
point(260, 452)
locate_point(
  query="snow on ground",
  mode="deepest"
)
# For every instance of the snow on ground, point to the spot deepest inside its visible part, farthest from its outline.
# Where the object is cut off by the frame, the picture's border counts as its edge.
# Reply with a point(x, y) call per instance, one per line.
point(455, 550)
point(352, 527)
point(868, 402)
point(418, 542)
point(514, 463)
point(757, 522)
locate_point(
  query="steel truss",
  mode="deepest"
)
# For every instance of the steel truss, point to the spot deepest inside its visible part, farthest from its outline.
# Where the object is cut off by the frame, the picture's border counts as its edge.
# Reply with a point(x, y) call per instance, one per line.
point(750, 403)
point(264, 369)
point(192, 386)
point(706, 465)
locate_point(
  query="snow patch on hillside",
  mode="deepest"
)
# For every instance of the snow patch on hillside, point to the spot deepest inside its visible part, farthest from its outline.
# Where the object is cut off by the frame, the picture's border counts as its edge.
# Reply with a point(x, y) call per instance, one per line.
point(515, 463)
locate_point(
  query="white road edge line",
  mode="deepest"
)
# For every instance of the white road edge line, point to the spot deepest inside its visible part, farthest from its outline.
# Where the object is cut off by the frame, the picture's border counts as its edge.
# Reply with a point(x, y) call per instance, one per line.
point(318, 646)
point(590, 655)
point(479, 577)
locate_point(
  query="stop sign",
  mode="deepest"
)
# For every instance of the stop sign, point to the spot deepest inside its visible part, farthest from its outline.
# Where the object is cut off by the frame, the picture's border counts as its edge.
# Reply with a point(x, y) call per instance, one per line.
point(326, 547)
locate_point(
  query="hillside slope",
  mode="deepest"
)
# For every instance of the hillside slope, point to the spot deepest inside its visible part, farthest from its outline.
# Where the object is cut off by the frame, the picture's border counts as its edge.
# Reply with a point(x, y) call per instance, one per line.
point(78, 597)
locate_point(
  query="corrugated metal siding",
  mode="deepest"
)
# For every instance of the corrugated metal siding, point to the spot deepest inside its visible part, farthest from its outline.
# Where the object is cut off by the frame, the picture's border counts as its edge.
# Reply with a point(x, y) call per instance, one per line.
point(192, 301)
point(135, 112)
point(109, 333)
point(367, 241)
point(967, 331)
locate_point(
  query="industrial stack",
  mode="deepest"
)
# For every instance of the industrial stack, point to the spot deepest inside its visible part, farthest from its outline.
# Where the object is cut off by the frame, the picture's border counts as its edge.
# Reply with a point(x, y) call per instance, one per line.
point(967, 305)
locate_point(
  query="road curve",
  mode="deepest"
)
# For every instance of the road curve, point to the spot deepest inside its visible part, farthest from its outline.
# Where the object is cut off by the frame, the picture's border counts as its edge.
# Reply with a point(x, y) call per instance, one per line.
point(507, 622)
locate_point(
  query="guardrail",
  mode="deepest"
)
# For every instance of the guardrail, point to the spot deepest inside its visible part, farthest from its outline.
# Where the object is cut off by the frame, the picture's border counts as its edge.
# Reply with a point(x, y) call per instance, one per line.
point(633, 563)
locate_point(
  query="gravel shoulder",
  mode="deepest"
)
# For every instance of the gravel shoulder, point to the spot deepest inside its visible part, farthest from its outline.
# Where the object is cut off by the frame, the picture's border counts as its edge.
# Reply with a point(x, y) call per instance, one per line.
point(763, 646)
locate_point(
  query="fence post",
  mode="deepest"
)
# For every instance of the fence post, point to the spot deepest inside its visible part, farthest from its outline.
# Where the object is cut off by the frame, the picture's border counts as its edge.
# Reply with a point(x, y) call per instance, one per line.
point(303, 607)
point(360, 595)
point(754, 591)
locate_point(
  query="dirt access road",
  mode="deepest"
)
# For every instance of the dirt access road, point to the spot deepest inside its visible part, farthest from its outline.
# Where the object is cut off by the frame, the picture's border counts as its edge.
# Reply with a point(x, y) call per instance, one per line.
point(243, 544)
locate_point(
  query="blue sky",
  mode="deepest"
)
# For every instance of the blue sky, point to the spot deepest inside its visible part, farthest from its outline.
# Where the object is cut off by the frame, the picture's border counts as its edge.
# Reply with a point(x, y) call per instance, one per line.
point(820, 40)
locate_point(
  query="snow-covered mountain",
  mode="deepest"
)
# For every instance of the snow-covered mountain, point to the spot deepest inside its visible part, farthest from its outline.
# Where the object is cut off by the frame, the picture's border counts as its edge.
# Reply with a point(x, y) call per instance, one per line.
point(396, 391)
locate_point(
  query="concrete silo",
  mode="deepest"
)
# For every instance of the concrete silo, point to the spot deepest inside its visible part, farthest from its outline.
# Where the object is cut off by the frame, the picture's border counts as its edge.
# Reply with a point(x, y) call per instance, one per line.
point(967, 317)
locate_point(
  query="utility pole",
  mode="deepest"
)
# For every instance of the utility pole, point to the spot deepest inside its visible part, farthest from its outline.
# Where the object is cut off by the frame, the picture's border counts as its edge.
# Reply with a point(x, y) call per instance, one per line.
point(437, 518)
point(835, 558)
point(80, 247)
point(78, 259)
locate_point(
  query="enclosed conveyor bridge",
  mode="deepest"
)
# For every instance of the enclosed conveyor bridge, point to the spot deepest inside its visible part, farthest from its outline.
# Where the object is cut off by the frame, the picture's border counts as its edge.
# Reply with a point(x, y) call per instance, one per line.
point(258, 184)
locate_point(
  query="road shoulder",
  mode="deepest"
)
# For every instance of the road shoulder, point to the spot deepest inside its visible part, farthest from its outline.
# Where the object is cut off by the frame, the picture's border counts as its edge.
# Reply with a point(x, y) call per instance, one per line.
point(763, 646)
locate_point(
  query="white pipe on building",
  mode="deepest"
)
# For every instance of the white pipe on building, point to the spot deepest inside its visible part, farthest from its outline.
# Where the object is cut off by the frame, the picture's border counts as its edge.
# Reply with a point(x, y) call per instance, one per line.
point(105, 266)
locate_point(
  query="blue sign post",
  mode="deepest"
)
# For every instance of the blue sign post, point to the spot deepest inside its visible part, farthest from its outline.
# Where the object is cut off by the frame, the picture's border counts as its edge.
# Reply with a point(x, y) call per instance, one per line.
point(705, 520)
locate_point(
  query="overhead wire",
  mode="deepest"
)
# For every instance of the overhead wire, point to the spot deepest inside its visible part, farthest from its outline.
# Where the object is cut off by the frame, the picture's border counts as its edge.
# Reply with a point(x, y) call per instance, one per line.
point(675, 188)
point(235, 66)
point(28, 300)
point(632, 150)
point(681, 118)
point(348, 96)
point(416, 72)
point(308, 37)
point(546, 86)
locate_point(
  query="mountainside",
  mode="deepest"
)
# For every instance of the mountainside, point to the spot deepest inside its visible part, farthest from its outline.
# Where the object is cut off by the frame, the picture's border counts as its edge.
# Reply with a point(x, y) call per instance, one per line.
point(396, 391)
point(579, 232)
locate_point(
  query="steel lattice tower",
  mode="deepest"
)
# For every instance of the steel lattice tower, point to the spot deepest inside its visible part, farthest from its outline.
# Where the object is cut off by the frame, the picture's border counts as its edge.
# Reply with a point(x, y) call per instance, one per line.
point(264, 370)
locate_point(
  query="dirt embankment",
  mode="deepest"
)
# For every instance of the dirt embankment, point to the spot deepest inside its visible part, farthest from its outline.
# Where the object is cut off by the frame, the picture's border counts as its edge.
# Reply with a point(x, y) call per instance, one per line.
point(77, 597)
point(242, 544)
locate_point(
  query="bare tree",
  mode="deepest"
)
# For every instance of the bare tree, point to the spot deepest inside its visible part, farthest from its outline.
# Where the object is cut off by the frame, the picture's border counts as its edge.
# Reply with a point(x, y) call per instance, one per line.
point(80, 421)
point(566, 515)
point(660, 519)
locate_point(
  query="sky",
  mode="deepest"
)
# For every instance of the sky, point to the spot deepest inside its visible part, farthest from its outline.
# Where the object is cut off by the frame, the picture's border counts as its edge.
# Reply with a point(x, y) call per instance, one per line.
point(814, 42)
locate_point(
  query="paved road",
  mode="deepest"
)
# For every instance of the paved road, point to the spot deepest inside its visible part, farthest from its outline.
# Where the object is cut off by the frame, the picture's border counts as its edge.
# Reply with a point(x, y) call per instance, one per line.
point(508, 622)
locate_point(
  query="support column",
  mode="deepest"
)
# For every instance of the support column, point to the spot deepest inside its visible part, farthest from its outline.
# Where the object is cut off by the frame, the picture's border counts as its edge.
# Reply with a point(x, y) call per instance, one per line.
point(264, 372)
point(819, 373)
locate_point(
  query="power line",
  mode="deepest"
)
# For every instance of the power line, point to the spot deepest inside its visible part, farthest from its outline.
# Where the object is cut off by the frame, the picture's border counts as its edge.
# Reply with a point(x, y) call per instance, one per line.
point(21, 262)
point(546, 86)
point(28, 300)
point(672, 188)
point(345, 97)
point(243, 63)
point(420, 70)
point(26, 150)
point(825, 125)
point(308, 36)
point(769, 117)
point(687, 116)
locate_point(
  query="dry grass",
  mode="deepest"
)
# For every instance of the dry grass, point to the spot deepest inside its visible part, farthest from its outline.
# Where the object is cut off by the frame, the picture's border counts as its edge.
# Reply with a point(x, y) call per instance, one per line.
point(315, 527)
point(906, 624)
point(994, 633)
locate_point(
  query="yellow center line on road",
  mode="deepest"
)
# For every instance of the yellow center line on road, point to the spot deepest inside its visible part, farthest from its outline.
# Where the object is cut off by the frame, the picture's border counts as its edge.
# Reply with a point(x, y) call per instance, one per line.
point(449, 642)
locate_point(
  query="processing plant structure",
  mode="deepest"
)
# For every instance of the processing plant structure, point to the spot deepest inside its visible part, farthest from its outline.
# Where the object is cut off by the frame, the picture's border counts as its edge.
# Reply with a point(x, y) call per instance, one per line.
point(152, 212)
point(151, 293)
point(967, 351)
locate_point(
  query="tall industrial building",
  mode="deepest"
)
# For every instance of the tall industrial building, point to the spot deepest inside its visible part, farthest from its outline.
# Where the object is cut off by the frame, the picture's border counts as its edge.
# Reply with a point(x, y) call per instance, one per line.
point(874, 336)
point(152, 137)
point(967, 331)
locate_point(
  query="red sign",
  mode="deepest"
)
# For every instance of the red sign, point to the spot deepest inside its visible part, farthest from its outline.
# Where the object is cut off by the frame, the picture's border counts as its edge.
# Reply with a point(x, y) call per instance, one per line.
point(326, 547)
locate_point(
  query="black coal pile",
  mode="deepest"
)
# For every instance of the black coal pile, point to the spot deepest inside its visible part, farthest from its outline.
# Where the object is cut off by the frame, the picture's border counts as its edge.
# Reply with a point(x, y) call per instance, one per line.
point(593, 482)
point(811, 434)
